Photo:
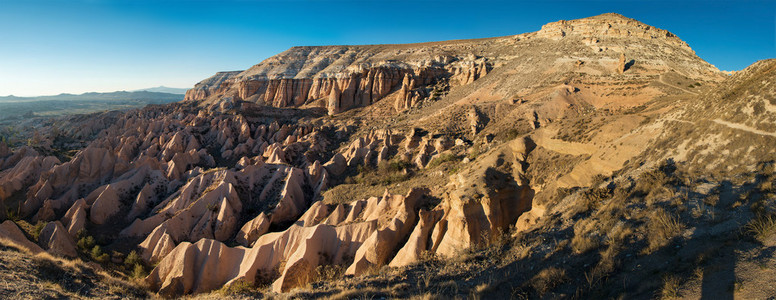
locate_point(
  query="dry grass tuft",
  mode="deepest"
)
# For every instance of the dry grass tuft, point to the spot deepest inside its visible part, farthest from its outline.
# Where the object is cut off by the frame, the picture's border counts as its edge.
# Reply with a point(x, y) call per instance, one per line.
point(426, 296)
point(4, 242)
point(661, 228)
point(548, 279)
point(363, 293)
point(762, 227)
point(671, 286)
point(582, 244)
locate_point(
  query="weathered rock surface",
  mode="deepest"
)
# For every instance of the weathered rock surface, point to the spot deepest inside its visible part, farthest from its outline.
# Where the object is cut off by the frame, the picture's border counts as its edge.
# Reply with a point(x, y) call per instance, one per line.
point(105, 206)
point(56, 240)
point(300, 247)
point(252, 230)
point(9, 230)
point(75, 217)
point(339, 78)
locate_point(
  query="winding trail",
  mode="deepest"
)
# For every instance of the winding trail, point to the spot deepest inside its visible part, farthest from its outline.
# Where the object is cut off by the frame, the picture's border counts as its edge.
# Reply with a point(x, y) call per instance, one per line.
point(732, 125)
point(744, 128)
point(676, 87)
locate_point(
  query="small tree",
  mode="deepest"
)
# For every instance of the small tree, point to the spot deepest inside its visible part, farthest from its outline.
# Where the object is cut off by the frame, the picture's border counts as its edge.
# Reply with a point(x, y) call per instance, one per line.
point(98, 256)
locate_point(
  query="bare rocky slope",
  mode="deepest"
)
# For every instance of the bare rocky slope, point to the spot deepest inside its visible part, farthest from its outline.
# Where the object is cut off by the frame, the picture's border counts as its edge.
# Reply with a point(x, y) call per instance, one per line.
point(597, 157)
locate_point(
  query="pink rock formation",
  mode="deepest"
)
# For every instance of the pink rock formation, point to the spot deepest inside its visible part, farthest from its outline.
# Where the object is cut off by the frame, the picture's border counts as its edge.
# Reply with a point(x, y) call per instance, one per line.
point(252, 230)
point(24, 171)
point(11, 232)
point(336, 165)
point(92, 164)
point(75, 217)
point(417, 243)
point(381, 222)
point(56, 240)
point(105, 206)
point(292, 200)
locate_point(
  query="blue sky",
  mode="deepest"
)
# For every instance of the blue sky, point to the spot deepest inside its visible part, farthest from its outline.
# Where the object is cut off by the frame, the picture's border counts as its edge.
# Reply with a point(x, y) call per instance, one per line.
point(75, 46)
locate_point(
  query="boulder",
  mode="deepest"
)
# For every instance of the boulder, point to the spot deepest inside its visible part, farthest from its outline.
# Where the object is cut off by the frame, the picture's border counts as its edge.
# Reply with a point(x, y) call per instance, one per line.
point(56, 240)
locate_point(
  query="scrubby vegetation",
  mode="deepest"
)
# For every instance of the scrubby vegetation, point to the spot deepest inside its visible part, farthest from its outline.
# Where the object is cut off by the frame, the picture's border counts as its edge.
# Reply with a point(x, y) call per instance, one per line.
point(615, 242)
point(42, 276)
point(386, 173)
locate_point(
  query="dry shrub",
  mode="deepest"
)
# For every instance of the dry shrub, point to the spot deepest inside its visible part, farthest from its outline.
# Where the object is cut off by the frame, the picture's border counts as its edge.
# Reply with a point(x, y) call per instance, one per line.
point(711, 200)
point(582, 244)
point(656, 181)
point(661, 228)
point(583, 241)
point(762, 227)
point(592, 199)
point(328, 272)
point(238, 287)
point(481, 289)
point(518, 251)
point(425, 296)
point(363, 293)
point(671, 286)
point(618, 233)
point(4, 242)
point(448, 287)
point(548, 279)
point(766, 186)
point(605, 266)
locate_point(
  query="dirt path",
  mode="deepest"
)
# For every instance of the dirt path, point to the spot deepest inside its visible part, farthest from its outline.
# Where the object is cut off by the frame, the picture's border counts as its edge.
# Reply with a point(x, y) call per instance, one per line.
point(676, 87)
point(732, 125)
point(680, 121)
point(744, 128)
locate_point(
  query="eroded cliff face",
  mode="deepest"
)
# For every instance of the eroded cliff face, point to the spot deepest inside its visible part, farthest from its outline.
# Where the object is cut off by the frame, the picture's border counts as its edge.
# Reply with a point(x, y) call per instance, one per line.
point(340, 78)
point(337, 89)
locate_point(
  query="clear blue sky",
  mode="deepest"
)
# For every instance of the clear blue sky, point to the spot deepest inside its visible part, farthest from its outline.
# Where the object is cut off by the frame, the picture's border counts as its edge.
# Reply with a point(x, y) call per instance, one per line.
point(75, 46)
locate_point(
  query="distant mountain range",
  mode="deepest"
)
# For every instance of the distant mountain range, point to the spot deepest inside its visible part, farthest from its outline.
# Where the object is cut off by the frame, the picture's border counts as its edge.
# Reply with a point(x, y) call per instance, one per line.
point(164, 89)
point(152, 94)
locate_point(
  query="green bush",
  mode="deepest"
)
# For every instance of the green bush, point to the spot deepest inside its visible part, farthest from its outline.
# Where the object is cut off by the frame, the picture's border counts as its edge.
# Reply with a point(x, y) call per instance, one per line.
point(239, 287)
point(449, 157)
point(10, 214)
point(395, 165)
point(38, 228)
point(512, 134)
point(85, 242)
point(98, 255)
point(138, 271)
point(386, 173)
point(132, 259)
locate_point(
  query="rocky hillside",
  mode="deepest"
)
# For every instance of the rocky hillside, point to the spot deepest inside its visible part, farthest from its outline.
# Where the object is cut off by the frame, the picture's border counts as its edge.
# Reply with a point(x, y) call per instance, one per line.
point(567, 162)
point(630, 55)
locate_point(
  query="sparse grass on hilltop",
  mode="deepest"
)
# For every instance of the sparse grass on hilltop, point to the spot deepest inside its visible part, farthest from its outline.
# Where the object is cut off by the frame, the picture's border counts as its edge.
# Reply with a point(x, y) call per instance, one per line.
point(44, 276)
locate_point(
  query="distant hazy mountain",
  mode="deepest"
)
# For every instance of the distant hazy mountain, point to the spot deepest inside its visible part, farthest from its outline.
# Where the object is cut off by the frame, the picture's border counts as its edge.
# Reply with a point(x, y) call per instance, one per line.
point(113, 96)
point(164, 89)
